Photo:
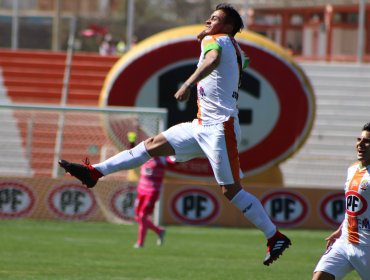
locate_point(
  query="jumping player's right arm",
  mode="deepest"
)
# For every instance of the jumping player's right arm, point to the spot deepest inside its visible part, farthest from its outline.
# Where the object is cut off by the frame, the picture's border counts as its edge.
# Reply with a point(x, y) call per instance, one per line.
point(334, 236)
point(210, 62)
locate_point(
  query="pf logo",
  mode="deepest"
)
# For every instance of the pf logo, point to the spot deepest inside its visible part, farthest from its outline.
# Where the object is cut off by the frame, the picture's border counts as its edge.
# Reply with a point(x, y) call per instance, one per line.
point(194, 206)
point(16, 200)
point(150, 74)
point(122, 203)
point(355, 203)
point(71, 202)
point(285, 208)
point(332, 209)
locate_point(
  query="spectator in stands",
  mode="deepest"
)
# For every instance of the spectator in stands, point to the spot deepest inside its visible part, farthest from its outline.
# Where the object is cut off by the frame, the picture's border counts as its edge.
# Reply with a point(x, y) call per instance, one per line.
point(348, 248)
point(107, 46)
point(216, 132)
point(120, 47)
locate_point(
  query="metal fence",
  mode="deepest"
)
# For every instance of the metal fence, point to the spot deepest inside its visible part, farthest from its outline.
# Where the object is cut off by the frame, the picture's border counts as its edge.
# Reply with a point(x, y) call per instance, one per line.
point(33, 138)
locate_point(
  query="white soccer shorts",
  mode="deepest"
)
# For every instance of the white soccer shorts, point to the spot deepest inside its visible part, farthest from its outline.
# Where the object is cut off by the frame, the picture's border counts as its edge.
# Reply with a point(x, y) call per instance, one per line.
point(343, 257)
point(217, 142)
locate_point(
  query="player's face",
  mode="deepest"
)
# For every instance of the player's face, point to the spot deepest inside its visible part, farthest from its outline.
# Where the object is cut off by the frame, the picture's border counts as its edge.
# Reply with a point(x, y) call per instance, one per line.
point(216, 24)
point(363, 148)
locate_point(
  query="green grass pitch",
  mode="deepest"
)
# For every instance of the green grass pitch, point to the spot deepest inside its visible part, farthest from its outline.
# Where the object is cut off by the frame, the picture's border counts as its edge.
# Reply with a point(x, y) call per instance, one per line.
point(85, 250)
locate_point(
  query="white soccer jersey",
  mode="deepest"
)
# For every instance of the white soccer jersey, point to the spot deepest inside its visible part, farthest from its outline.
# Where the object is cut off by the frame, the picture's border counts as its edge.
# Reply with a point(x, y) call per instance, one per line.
point(218, 92)
point(356, 224)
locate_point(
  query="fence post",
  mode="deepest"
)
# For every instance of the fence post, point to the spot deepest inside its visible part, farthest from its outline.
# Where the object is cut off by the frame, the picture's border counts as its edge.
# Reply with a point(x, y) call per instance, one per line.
point(29, 141)
point(64, 98)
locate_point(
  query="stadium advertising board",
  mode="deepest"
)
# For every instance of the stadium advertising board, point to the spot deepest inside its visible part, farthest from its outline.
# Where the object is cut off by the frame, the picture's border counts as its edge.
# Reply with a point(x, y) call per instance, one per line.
point(195, 203)
point(276, 100)
point(122, 202)
point(194, 206)
point(333, 209)
point(71, 202)
point(286, 208)
point(16, 199)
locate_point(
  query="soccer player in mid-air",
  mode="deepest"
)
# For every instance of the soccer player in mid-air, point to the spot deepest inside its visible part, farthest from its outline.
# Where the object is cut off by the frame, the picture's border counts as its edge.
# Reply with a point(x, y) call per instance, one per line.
point(348, 248)
point(214, 134)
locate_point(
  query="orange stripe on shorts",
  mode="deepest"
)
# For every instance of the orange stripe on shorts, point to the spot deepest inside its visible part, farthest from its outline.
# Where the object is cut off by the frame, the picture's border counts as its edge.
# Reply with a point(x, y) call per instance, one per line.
point(232, 149)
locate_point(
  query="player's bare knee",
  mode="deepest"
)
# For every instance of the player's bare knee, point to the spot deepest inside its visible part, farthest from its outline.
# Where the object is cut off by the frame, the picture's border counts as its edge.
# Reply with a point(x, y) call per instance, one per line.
point(229, 191)
point(320, 275)
point(158, 146)
point(151, 144)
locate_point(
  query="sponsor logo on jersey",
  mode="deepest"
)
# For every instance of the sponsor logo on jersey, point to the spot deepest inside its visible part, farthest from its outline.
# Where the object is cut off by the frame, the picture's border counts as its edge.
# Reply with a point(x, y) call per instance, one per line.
point(364, 185)
point(356, 204)
point(364, 224)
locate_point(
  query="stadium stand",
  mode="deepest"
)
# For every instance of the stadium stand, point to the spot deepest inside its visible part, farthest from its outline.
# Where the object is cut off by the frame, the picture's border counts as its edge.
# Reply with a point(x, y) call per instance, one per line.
point(342, 107)
point(12, 151)
point(36, 77)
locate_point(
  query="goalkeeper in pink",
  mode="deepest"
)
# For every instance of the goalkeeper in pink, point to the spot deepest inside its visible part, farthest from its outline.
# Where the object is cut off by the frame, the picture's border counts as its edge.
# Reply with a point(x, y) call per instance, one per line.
point(148, 190)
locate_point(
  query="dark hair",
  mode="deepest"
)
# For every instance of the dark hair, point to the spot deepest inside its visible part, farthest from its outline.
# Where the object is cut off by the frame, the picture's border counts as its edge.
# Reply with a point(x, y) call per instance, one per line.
point(232, 17)
point(366, 127)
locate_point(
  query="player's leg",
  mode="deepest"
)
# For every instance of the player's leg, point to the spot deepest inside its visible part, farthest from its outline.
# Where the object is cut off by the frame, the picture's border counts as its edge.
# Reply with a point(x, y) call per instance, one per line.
point(144, 223)
point(182, 140)
point(219, 143)
point(250, 206)
point(322, 275)
point(254, 212)
point(127, 159)
point(152, 226)
point(148, 210)
point(334, 264)
point(144, 211)
point(141, 230)
point(360, 259)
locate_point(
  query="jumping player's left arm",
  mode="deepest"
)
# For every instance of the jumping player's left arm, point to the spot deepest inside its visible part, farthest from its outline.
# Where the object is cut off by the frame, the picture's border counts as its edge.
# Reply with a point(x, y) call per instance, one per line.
point(245, 59)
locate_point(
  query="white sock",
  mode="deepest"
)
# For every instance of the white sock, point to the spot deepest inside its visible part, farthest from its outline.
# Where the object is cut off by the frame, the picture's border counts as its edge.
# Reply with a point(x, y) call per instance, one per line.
point(253, 210)
point(124, 160)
